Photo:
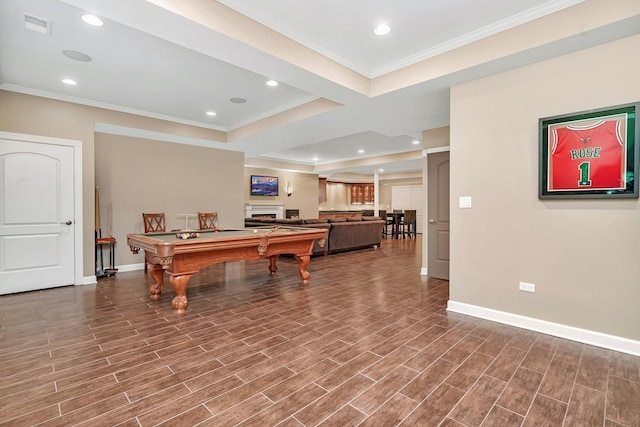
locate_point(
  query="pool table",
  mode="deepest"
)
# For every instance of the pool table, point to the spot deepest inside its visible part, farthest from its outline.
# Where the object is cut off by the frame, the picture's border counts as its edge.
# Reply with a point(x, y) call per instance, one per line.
point(183, 258)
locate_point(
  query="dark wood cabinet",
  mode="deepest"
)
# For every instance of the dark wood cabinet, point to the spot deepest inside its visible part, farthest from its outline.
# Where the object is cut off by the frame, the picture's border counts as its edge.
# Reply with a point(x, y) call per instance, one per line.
point(362, 194)
point(322, 190)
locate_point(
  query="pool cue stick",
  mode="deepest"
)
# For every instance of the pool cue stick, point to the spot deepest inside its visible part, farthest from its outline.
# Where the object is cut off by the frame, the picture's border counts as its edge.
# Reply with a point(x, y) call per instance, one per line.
point(112, 256)
point(97, 210)
point(109, 224)
point(99, 271)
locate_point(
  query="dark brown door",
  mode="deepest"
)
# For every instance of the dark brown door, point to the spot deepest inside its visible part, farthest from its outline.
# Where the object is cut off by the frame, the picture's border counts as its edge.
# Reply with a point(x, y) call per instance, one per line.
point(438, 215)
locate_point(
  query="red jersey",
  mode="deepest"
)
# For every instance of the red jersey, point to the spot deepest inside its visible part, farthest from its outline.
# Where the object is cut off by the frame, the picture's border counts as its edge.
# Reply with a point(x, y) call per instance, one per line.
point(587, 157)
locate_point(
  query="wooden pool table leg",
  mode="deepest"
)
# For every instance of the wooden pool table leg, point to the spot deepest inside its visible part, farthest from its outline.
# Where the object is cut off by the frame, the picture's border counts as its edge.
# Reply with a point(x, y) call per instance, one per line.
point(158, 276)
point(303, 262)
point(273, 264)
point(179, 284)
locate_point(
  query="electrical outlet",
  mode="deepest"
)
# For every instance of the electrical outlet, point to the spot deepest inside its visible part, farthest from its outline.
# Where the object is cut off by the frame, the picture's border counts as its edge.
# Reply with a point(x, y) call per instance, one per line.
point(527, 287)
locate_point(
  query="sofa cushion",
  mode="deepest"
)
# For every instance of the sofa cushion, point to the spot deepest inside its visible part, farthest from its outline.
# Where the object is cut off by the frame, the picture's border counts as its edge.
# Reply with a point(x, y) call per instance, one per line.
point(354, 219)
point(335, 220)
point(371, 218)
point(316, 221)
point(289, 221)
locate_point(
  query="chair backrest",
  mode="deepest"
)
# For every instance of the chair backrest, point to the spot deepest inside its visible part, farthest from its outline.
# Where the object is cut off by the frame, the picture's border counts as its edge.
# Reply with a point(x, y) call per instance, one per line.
point(367, 212)
point(153, 222)
point(410, 215)
point(382, 213)
point(208, 220)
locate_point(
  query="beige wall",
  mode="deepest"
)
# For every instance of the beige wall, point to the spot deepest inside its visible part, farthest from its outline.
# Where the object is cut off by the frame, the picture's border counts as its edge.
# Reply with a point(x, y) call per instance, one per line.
point(338, 198)
point(582, 255)
point(435, 138)
point(304, 195)
point(33, 115)
point(139, 175)
point(385, 195)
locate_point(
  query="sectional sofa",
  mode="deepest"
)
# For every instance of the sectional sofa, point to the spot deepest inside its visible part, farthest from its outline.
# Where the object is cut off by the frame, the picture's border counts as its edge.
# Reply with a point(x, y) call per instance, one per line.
point(345, 234)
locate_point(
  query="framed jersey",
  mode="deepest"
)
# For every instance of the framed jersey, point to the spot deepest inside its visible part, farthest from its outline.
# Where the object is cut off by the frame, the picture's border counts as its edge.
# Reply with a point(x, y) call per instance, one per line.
point(590, 154)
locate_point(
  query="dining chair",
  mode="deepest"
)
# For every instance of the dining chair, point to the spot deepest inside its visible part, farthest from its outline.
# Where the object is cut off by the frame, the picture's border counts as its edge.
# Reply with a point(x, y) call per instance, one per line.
point(153, 222)
point(383, 215)
point(408, 223)
point(208, 220)
point(395, 220)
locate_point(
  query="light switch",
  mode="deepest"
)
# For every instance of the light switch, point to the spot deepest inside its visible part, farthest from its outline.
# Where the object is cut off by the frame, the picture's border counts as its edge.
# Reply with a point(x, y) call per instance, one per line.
point(464, 202)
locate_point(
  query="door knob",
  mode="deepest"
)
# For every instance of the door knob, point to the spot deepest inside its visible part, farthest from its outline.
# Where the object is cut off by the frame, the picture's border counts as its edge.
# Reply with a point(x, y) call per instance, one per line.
point(68, 222)
point(432, 221)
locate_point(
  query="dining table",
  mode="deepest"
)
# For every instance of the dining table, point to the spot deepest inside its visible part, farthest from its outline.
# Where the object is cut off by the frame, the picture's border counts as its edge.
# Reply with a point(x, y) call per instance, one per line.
point(395, 218)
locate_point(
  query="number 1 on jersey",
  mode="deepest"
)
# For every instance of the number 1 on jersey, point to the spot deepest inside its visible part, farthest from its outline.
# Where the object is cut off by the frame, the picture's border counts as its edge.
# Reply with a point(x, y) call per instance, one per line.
point(584, 174)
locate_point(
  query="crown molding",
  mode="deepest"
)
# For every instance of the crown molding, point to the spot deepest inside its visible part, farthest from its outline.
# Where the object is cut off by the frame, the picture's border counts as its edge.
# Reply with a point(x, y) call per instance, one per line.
point(479, 34)
point(106, 106)
point(489, 30)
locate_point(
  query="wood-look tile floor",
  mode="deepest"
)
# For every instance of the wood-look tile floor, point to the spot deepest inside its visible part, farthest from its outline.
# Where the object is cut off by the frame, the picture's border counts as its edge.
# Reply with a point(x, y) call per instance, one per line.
point(368, 342)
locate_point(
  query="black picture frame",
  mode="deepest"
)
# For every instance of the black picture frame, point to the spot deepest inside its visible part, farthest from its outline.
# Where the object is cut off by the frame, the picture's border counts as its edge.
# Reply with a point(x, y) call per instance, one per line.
point(590, 154)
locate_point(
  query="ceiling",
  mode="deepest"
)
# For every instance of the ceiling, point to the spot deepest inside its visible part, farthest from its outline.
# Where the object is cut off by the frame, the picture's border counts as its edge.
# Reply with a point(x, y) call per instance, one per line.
point(348, 102)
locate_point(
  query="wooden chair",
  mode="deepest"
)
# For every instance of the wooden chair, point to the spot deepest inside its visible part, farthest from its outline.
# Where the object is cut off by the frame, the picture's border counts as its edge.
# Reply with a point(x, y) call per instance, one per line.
point(153, 222)
point(208, 220)
point(408, 223)
point(383, 215)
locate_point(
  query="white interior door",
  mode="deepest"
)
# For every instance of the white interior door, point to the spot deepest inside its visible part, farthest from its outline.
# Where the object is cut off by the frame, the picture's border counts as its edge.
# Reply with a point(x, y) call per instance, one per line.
point(37, 226)
point(401, 197)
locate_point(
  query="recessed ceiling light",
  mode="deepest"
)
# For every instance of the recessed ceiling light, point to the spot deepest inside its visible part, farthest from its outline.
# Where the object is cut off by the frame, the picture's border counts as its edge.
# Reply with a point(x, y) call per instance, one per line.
point(77, 56)
point(315, 158)
point(69, 82)
point(92, 20)
point(211, 113)
point(272, 83)
point(382, 30)
point(360, 151)
point(380, 170)
point(238, 100)
point(416, 142)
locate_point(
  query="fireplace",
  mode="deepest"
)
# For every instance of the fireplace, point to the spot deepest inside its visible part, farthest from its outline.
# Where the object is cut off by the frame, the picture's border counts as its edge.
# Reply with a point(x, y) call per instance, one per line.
point(256, 215)
point(272, 211)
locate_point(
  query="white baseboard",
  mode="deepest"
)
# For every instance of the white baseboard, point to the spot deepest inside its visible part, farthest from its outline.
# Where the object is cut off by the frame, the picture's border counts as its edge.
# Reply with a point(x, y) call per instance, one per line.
point(92, 280)
point(89, 280)
point(131, 267)
point(586, 336)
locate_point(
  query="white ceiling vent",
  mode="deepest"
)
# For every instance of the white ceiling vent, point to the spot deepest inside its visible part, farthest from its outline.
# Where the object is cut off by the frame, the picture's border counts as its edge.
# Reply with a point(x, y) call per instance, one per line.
point(37, 24)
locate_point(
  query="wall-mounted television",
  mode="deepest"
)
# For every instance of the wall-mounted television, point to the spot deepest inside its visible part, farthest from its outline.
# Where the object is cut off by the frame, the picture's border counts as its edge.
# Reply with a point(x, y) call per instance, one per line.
point(264, 185)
